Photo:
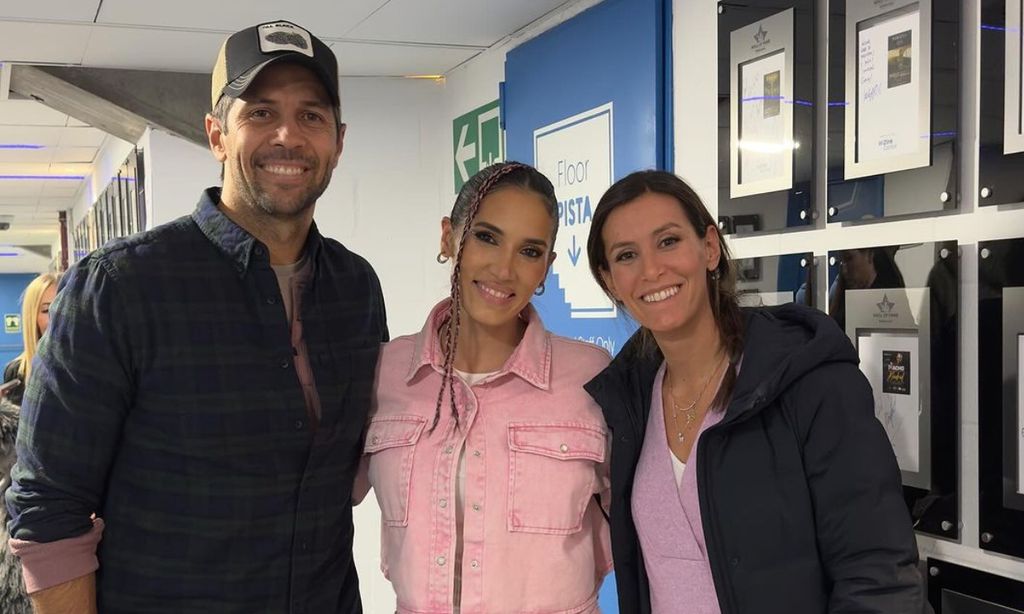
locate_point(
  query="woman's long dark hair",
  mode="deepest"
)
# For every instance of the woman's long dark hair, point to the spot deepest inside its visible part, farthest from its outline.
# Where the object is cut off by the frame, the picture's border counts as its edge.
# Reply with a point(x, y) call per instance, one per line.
point(721, 287)
point(467, 205)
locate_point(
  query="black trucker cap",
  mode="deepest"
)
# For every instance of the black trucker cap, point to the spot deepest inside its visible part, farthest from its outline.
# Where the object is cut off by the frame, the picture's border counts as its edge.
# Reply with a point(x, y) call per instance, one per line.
point(246, 52)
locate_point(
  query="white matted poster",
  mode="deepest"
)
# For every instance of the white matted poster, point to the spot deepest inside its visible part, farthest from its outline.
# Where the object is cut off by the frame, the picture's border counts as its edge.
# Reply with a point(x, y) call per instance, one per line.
point(761, 106)
point(888, 87)
point(1013, 85)
point(1020, 413)
point(891, 362)
point(576, 155)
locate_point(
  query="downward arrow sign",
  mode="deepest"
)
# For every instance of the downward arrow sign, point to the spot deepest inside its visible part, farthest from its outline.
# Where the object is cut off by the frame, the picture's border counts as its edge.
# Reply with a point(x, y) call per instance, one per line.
point(574, 252)
point(464, 153)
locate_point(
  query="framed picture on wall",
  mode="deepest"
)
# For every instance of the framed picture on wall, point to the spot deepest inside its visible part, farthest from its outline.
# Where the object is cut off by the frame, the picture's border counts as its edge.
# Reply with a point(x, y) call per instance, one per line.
point(955, 589)
point(761, 103)
point(888, 70)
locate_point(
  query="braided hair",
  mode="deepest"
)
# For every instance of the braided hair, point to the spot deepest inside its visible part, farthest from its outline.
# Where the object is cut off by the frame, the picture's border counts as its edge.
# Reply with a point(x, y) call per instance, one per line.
point(467, 205)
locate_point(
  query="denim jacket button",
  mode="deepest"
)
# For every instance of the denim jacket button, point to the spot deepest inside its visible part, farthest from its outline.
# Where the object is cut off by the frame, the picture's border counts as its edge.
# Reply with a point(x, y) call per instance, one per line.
point(564, 448)
point(441, 561)
point(443, 503)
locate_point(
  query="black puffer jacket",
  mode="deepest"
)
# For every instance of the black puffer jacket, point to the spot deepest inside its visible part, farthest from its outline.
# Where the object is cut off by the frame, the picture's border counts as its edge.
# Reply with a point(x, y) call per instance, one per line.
point(799, 489)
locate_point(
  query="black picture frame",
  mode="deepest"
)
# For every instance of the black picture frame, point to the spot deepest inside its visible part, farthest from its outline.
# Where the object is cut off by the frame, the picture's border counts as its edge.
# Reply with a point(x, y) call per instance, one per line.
point(934, 506)
point(783, 209)
point(957, 589)
point(873, 197)
point(1001, 506)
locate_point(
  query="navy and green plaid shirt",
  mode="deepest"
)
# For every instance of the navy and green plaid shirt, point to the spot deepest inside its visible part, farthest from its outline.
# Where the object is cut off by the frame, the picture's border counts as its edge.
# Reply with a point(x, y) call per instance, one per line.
point(165, 400)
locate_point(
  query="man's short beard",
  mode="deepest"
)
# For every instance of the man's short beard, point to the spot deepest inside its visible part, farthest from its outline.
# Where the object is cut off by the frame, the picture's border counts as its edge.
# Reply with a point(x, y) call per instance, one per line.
point(261, 201)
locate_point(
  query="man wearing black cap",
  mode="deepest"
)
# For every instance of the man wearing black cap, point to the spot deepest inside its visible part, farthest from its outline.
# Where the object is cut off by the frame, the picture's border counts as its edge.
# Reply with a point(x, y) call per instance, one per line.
point(192, 428)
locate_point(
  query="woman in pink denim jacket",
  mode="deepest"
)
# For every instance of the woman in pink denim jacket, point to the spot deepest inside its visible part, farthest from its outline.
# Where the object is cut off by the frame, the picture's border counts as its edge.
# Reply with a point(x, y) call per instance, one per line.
point(483, 449)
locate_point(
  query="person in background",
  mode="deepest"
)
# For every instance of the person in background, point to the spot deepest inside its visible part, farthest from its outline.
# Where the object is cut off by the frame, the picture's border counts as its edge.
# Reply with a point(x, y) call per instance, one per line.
point(859, 269)
point(483, 450)
point(750, 475)
point(194, 423)
point(35, 317)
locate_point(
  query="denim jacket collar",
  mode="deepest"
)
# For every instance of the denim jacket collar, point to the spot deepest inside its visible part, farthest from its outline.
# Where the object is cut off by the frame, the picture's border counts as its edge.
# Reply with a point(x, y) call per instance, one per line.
point(531, 360)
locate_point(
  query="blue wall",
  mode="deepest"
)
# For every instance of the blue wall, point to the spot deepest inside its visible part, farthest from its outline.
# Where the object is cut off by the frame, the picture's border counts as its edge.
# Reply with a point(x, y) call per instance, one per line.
point(11, 287)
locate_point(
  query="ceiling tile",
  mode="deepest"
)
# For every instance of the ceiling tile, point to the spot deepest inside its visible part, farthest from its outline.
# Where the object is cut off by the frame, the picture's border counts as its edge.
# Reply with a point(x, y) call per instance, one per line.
point(19, 188)
point(153, 49)
point(48, 136)
point(33, 42)
point(74, 154)
point(29, 113)
point(61, 188)
point(22, 168)
point(71, 168)
point(81, 137)
point(324, 19)
point(366, 59)
point(453, 22)
point(18, 156)
point(52, 10)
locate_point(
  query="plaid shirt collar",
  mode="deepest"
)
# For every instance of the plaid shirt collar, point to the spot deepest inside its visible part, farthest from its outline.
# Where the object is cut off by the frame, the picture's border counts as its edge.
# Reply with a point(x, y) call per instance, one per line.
point(235, 242)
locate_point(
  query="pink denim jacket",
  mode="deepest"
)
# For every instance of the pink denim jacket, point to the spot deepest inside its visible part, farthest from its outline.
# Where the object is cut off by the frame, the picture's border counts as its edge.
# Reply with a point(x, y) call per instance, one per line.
point(536, 451)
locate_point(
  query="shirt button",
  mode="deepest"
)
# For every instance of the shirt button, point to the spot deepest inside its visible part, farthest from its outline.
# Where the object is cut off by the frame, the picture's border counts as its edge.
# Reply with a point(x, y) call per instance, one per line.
point(734, 561)
point(271, 300)
point(443, 503)
point(564, 448)
point(375, 440)
point(476, 453)
point(258, 251)
point(448, 449)
point(299, 424)
point(441, 561)
point(474, 564)
point(476, 507)
point(284, 364)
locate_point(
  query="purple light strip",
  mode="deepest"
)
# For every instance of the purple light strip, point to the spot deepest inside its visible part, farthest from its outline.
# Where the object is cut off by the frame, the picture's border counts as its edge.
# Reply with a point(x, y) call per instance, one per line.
point(20, 146)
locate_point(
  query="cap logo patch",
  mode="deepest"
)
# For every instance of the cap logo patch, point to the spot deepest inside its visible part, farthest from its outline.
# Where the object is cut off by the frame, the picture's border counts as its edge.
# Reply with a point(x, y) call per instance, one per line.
point(284, 36)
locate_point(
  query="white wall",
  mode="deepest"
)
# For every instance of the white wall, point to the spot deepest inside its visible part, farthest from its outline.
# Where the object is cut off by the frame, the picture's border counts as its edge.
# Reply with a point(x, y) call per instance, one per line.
point(695, 28)
point(176, 171)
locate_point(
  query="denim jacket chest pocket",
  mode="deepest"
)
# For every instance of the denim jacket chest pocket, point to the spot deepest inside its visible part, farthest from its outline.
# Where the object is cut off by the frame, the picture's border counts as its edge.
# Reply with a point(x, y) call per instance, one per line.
point(390, 444)
point(552, 469)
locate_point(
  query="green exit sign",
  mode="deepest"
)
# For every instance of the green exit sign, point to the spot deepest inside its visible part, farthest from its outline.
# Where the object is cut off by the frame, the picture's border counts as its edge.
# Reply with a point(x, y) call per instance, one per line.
point(477, 141)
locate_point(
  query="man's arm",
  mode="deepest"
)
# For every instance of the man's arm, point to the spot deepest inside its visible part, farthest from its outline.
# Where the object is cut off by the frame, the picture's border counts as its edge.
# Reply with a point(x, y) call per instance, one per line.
point(71, 420)
point(78, 596)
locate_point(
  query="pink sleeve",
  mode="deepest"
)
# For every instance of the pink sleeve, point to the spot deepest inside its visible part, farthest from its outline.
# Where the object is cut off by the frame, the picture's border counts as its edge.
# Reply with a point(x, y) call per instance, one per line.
point(47, 565)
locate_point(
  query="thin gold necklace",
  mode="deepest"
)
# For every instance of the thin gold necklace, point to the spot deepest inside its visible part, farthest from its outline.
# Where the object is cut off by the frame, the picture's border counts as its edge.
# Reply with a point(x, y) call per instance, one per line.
point(690, 410)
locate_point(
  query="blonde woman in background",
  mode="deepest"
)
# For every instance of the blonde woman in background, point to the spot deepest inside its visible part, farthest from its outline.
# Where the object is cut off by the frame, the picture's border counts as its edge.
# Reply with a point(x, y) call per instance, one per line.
point(35, 317)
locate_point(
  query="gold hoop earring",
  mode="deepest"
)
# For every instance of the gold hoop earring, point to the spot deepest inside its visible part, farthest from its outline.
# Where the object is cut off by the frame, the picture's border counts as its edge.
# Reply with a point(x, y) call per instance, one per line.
point(441, 258)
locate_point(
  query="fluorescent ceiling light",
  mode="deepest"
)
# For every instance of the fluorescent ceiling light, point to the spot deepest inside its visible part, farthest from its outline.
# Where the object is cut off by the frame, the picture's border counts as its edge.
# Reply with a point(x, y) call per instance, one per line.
point(20, 146)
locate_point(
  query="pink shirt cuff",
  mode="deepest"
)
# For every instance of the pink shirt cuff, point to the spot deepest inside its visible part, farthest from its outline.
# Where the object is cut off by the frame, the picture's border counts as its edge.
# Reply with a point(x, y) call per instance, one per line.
point(50, 564)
